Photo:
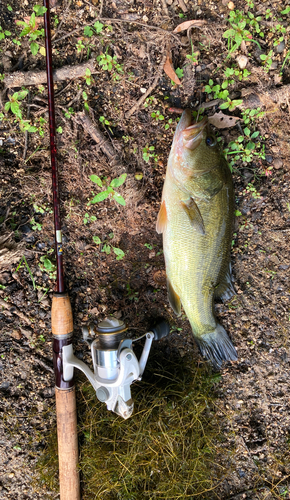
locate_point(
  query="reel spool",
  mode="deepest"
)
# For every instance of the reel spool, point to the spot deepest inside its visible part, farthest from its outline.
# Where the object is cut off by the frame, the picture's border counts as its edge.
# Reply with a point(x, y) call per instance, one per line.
point(115, 364)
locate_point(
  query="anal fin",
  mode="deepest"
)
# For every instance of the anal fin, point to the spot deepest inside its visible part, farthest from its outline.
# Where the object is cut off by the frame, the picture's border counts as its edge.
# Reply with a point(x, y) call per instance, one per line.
point(225, 289)
point(173, 298)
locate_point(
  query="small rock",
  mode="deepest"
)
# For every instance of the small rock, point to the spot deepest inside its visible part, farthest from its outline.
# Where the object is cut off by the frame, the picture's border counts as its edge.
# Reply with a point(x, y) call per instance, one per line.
point(275, 259)
point(143, 90)
point(279, 48)
point(277, 163)
point(242, 61)
point(169, 2)
point(4, 386)
point(269, 158)
point(274, 65)
point(231, 5)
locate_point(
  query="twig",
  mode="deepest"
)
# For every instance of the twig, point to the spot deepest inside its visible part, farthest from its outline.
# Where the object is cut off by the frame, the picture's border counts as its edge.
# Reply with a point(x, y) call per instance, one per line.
point(7, 305)
point(64, 16)
point(19, 78)
point(97, 135)
point(164, 7)
point(152, 87)
point(182, 5)
point(111, 20)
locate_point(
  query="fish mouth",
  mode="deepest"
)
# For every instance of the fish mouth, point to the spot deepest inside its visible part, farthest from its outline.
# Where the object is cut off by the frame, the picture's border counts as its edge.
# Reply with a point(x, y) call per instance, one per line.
point(193, 135)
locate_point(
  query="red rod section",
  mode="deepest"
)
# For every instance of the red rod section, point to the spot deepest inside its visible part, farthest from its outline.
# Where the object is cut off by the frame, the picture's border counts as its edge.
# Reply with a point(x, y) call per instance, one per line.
point(56, 210)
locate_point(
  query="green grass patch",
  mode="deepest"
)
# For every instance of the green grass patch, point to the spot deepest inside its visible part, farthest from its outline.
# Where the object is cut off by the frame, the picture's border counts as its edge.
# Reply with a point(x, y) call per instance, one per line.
point(166, 450)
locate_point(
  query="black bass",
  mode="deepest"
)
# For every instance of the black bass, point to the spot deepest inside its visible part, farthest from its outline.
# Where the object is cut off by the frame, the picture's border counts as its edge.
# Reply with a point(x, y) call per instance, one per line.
point(196, 218)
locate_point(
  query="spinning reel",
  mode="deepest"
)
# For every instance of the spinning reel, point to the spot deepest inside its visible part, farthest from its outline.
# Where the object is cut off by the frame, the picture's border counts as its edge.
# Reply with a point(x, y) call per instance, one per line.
point(115, 364)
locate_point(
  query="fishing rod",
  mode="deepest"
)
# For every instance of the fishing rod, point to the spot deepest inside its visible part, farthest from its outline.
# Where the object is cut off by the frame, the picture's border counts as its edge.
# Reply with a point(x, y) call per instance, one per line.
point(115, 364)
point(61, 318)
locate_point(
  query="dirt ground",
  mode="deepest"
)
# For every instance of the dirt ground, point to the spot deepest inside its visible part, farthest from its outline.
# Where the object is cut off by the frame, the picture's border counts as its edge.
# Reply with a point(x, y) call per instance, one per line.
point(253, 394)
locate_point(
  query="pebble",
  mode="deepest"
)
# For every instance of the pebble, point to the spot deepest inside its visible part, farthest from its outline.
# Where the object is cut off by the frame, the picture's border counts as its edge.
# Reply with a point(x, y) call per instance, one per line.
point(269, 158)
point(4, 386)
point(231, 5)
point(277, 163)
point(279, 48)
point(242, 61)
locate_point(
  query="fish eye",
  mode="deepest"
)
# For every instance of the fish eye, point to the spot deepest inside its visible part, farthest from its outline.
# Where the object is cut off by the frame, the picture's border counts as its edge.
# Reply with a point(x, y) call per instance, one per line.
point(210, 141)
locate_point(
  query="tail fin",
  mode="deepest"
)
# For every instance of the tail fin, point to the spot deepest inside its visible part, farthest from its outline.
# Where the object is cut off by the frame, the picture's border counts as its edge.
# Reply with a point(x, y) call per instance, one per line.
point(216, 347)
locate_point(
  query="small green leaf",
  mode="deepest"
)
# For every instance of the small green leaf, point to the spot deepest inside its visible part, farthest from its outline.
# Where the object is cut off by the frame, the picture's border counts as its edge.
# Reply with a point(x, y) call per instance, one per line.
point(25, 31)
point(88, 31)
point(224, 105)
point(255, 134)
point(7, 106)
point(119, 253)
point(59, 130)
point(237, 213)
point(34, 48)
point(39, 10)
point(96, 240)
point(100, 197)
point(247, 131)
point(119, 199)
point(98, 27)
point(96, 179)
point(119, 181)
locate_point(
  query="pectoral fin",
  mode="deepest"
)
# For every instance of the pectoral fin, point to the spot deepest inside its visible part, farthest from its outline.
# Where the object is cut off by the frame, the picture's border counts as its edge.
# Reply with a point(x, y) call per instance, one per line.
point(194, 215)
point(161, 219)
point(174, 299)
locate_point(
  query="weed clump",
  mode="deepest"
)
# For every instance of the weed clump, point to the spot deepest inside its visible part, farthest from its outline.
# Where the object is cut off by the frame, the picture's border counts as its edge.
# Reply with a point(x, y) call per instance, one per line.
point(165, 450)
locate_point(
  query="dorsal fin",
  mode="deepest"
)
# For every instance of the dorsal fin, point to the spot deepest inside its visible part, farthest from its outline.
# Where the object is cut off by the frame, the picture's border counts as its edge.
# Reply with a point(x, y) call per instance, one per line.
point(194, 215)
point(161, 219)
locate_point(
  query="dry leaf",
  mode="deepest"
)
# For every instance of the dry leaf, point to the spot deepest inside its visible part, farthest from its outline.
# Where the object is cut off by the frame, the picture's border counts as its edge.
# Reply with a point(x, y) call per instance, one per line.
point(187, 24)
point(169, 70)
point(219, 120)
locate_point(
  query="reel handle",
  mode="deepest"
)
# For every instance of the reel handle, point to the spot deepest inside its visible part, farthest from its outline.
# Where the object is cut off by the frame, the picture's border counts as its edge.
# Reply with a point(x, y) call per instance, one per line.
point(161, 330)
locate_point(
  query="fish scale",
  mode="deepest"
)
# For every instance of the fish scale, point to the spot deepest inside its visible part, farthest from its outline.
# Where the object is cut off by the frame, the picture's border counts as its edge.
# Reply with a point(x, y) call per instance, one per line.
point(196, 218)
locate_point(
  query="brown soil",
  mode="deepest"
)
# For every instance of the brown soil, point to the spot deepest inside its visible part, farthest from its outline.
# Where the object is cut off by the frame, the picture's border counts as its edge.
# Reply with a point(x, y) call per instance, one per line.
point(253, 395)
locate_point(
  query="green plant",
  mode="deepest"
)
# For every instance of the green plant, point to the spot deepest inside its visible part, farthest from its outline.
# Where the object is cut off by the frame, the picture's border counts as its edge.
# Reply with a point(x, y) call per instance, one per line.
point(23, 259)
point(268, 14)
point(147, 245)
point(180, 73)
point(88, 76)
point(132, 295)
point(253, 191)
point(30, 29)
point(149, 101)
point(14, 105)
point(193, 57)
point(241, 74)
point(231, 104)
point(47, 266)
point(244, 148)
point(286, 11)
point(4, 33)
point(85, 98)
point(147, 154)
point(267, 60)
point(89, 218)
point(106, 247)
point(250, 115)
point(157, 115)
point(97, 28)
point(69, 113)
point(238, 32)
point(110, 189)
point(79, 45)
point(107, 62)
point(36, 226)
point(218, 91)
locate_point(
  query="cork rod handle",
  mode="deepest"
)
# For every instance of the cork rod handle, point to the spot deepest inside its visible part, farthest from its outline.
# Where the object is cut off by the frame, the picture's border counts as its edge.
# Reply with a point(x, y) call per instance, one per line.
point(66, 413)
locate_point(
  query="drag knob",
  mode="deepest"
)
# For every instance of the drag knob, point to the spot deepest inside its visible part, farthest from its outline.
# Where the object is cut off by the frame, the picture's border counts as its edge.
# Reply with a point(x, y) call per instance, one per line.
point(161, 330)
